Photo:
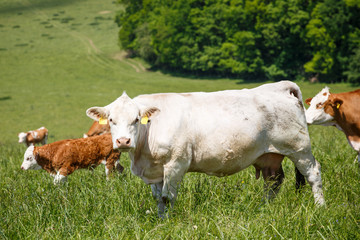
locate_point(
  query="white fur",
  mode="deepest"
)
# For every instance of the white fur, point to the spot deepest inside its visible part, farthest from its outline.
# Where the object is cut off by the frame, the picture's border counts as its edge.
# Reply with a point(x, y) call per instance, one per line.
point(355, 145)
point(29, 160)
point(217, 133)
point(22, 137)
point(34, 134)
point(316, 115)
point(59, 179)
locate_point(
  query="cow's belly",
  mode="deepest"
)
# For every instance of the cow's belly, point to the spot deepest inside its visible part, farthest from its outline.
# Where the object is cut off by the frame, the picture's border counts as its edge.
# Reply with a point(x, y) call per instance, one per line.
point(226, 163)
point(230, 156)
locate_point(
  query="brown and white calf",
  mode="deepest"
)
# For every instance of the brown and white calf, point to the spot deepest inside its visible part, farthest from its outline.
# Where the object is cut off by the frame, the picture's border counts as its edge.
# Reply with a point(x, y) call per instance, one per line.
point(341, 110)
point(62, 158)
point(97, 129)
point(35, 136)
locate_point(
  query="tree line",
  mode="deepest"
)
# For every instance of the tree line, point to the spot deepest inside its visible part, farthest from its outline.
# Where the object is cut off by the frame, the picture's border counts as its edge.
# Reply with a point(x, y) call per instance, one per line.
point(267, 39)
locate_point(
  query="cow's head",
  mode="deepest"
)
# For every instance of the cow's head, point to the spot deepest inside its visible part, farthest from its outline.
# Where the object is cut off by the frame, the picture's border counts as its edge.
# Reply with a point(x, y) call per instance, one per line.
point(322, 108)
point(22, 137)
point(30, 160)
point(125, 117)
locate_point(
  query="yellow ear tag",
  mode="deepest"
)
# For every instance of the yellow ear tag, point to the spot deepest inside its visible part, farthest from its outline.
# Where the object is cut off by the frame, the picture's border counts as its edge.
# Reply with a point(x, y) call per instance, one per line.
point(144, 120)
point(102, 121)
point(338, 106)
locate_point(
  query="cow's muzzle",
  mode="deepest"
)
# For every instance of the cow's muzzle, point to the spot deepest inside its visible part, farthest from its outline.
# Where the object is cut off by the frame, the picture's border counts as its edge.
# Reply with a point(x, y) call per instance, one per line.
point(123, 143)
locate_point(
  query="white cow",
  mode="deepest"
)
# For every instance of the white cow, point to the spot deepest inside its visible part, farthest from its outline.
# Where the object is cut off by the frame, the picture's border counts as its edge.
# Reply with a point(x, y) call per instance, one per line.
point(218, 133)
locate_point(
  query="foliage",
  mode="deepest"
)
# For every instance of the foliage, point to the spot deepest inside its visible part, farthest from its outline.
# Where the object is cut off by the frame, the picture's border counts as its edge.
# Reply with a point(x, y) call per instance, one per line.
point(354, 68)
point(275, 39)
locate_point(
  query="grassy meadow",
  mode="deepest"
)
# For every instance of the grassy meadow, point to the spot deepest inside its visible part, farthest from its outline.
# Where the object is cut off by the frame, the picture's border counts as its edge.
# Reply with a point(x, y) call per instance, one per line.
point(58, 58)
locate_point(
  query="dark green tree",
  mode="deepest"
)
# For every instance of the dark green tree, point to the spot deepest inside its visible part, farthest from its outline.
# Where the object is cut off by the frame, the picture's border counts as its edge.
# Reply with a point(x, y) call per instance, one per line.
point(272, 39)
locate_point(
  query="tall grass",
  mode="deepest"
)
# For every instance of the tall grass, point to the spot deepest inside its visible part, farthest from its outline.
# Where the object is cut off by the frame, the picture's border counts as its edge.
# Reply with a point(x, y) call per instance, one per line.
point(57, 58)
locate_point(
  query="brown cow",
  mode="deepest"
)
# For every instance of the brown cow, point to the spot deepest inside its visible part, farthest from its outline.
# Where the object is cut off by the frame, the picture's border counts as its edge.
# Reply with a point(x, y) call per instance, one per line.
point(97, 129)
point(341, 110)
point(35, 136)
point(62, 158)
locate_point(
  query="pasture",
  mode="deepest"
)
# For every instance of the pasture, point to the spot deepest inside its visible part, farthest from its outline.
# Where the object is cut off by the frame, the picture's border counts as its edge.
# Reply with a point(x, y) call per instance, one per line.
point(57, 58)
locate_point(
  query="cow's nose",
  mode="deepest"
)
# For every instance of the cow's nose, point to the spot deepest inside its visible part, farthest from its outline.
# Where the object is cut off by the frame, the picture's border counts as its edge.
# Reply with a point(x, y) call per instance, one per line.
point(22, 167)
point(123, 142)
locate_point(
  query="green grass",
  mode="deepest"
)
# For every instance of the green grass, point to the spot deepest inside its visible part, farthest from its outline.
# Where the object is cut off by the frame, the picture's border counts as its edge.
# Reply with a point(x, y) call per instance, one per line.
point(58, 58)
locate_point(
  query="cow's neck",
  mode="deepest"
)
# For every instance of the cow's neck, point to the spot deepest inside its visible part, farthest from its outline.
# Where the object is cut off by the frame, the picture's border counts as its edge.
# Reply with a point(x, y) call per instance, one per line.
point(44, 162)
point(141, 142)
point(350, 127)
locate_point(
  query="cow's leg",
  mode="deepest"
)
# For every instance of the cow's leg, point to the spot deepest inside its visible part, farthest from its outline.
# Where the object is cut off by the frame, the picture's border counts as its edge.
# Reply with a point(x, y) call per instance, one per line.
point(112, 162)
point(62, 174)
point(357, 159)
point(300, 179)
point(173, 174)
point(156, 189)
point(109, 167)
point(44, 141)
point(273, 179)
point(60, 178)
point(119, 167)
point(310, 168)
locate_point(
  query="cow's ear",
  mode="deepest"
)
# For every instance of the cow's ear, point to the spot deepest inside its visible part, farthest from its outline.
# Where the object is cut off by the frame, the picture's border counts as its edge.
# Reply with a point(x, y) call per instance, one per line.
point(150, 111)
point(336, 103)
point(96, 113)
point(307, 101)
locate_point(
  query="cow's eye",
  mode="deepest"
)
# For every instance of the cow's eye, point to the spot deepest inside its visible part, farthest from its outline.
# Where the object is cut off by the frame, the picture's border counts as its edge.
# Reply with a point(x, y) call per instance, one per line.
point(112, 121)
point(319, 105)
point(28, 158)
point(136, 120)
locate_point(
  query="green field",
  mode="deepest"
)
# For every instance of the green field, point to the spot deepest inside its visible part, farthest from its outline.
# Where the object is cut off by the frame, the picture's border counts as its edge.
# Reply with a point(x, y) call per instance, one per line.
point(58, 58)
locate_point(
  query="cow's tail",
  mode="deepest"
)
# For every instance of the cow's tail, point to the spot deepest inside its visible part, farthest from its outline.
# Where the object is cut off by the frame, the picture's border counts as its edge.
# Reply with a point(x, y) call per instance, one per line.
point(294, 90)
point(297, 93)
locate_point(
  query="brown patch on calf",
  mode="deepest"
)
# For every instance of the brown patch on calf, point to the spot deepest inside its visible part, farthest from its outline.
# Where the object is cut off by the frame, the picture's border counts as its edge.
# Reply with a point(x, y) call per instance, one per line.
point(332, 105)
point(344, 107)
point(68, 155)
point(98, 129)
point(41, 136)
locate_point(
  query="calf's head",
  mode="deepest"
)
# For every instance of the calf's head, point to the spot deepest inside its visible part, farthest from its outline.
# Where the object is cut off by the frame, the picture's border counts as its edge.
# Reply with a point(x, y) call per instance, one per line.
point(30, 160)
point(323, 108)
point(22, 137)
point(125, 117)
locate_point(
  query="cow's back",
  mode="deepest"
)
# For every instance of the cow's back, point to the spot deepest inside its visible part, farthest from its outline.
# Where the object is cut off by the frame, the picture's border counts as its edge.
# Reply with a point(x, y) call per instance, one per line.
point(87, 149)
point(235, 126)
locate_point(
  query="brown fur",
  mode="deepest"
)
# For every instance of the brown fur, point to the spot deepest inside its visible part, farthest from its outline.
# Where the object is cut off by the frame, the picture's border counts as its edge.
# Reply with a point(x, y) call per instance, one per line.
point(68, 155)
point(347, 115)
point(42, 133)
point(98, 129)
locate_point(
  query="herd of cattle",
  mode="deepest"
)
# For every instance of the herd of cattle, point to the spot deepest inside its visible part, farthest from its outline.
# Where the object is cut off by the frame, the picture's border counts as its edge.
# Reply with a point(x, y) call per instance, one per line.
point(217, 133)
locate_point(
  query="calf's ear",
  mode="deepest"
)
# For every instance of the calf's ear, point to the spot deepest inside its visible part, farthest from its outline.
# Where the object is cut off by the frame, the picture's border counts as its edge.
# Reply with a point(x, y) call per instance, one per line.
point(336, 103)
point(96, 113)
point(307, 101)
